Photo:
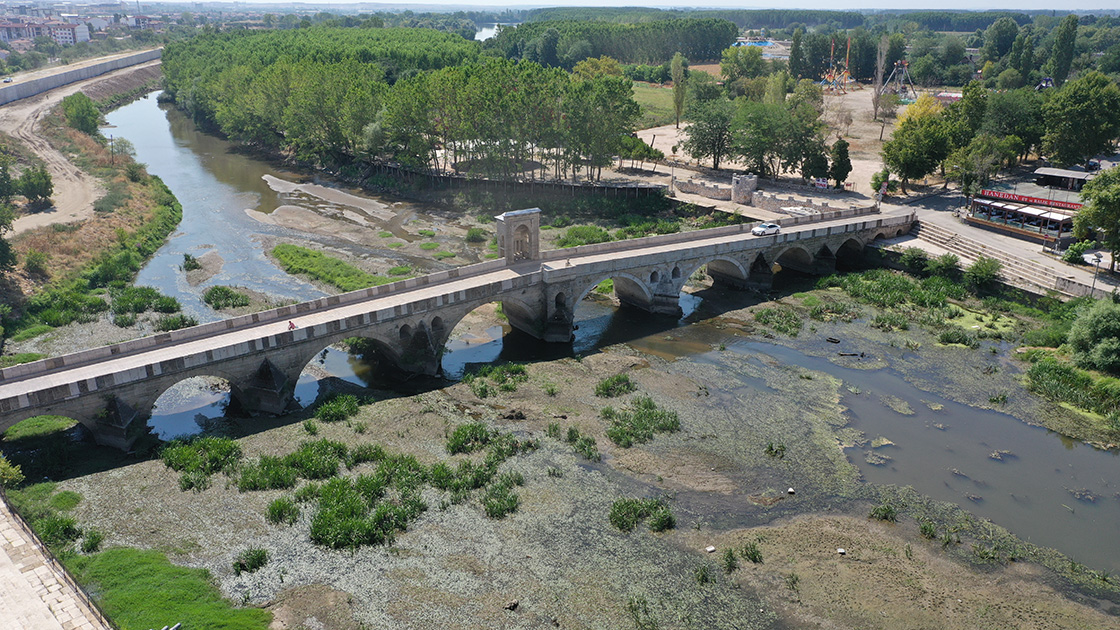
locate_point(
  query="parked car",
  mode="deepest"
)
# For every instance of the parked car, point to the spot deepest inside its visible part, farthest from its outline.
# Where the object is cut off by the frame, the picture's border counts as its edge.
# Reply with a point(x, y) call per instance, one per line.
point(7, 79)
point(765, 229)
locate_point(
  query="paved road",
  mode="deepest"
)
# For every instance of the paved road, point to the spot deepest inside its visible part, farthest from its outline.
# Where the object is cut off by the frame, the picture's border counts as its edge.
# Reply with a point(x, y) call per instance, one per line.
point(34, 593)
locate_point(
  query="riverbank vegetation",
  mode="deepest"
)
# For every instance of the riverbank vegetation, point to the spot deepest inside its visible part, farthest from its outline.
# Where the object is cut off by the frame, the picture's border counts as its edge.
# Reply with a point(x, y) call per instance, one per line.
point(326, 269)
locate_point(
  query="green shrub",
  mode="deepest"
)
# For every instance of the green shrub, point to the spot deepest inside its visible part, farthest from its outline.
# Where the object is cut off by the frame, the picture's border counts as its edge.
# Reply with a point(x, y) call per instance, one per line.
point(583, 235)
point(884, 512)
point(750, 551)
point(167, 323)
point(401, 270)
point(476, 235)
point(338, 407)
point(640, 422)
point(614, 386)
point(91, 540)
point(945, 265)
point(1075, 253)
point(200, 457)
point(10, 474)
point(250, 560)
point(190, 263)
point(984, 272)
point(311, 427)
point(625, 514)
point(219, 297)
point(891, 321)
point(730, 562)
point(317, 460)
point(957, 335)
point(35, 262)
point(428, 246)
point(267, 473)
point(427, 233)
point(583, 444)
point(56, 531)
point(914, 259)
point(467, 438)
point(1095, 337)
point(499, 498)
point(782, 320)
point(283, 510)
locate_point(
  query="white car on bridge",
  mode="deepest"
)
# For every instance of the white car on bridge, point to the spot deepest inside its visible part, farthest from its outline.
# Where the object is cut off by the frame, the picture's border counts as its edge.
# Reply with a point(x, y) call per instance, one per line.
point(764, 229)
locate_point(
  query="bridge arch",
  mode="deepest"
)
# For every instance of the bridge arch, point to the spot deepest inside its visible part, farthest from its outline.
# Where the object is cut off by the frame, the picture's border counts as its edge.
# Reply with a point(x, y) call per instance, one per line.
point(723, 270)
point(795, 257)
point(628, 288)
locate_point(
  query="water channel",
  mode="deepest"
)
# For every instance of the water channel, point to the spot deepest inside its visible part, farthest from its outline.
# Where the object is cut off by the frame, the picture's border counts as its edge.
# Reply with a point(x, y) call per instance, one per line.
point(1043, 487)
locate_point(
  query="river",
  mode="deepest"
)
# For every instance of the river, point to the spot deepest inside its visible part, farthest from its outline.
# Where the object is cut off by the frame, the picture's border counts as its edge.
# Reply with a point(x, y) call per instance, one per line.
point(1043, 487)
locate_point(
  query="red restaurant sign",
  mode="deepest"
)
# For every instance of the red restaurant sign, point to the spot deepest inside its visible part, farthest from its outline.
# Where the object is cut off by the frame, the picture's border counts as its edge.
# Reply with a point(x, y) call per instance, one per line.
point(1038, 201)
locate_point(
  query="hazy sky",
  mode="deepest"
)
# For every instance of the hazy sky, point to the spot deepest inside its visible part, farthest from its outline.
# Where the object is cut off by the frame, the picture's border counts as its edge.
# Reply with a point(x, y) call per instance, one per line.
point(974, 5)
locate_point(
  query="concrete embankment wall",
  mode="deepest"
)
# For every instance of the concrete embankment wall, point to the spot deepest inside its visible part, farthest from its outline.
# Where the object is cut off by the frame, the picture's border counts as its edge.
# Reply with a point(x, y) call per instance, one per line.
point(15, 91)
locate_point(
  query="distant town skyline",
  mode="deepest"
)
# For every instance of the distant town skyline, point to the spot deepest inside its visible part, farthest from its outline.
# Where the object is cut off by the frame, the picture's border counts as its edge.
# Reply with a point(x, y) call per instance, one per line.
point(841, 5)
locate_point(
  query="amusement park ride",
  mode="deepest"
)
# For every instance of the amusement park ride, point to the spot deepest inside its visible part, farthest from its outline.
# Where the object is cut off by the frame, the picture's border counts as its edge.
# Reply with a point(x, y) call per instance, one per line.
point(900, 84)
point(837, 79)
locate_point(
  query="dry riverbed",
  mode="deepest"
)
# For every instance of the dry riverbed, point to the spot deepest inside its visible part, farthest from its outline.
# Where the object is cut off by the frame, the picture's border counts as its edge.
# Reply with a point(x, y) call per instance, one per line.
point(557, 561)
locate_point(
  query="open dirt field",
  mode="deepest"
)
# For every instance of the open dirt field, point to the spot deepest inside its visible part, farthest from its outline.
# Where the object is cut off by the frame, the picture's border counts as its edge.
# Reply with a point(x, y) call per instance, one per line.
point(74, 190)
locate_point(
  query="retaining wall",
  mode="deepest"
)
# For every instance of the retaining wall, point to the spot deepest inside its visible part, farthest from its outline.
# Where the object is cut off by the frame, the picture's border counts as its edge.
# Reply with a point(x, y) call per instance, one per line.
point(24, 89)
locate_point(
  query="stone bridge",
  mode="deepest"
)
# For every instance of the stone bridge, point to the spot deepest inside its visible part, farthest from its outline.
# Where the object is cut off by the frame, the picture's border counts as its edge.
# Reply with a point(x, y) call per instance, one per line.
point(113, 389)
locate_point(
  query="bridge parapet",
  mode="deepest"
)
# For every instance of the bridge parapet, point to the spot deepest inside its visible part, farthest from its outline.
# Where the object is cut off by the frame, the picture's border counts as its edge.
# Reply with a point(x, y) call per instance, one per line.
point(286, 312)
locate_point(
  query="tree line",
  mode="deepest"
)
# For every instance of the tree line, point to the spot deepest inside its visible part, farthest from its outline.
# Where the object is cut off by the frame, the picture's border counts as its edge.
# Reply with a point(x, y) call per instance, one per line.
point(563, 43)
point(971, 139)
point(323, 95)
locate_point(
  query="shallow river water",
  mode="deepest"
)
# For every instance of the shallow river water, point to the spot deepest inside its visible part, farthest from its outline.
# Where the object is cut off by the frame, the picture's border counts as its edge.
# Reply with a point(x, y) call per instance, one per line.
point(1045, 488)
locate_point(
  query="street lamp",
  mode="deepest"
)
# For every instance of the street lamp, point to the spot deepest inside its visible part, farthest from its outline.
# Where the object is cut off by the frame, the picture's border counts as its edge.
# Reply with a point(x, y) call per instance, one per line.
point(1096, 268)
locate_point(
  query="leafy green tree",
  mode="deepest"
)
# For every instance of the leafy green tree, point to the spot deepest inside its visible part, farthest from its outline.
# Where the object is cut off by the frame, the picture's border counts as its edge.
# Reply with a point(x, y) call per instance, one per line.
point(702, 87)
point(36, 185)
point(1061, 57)
point(741, 62)
point(1015, 113)
point(999, 38)
point(7, 256)
point(1101, 212)
point(974, 165)
point(983, 272)
point(841, 165)
point(1009, 79)
point(1081, 118)
point(756, 127)
point(81, 113)
point(678, 70)
point(709, 130)
point(1095, 337)
point(916, 148)
point(796, 62)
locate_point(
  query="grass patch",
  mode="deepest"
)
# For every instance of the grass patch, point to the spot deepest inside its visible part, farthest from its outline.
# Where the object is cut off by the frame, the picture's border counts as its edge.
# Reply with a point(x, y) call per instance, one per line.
point(250, 560)
point(31, 332)
point(428, 246)
point(782, 320)
point(427, 233)
point(142, 589)
point(65, 501)
point(605, 287)
point(402, 270)
point(219, 297)
point(38, 427)
point(344, 276)
point(656, 104)
point(499, 499)
point(167, 323)
point(190, 263)
point(468, 438)
point(640, 422)
point(283, 510)
point(627, 513)
point(485, 379)
point(338, 407)
point(443, 255)
point(884, 512)
point(199, 458)
point(585, 445)
point(267, 473)
point(583, 235)
point(614, 386)
point(17, 359)
point(394, 245)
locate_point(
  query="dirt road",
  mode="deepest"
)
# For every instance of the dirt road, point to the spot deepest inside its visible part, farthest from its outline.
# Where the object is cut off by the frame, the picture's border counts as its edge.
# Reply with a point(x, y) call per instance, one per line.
point(74, 190)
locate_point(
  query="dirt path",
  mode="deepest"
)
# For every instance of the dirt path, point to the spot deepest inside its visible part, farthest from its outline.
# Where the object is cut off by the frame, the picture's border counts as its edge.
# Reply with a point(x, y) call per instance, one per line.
point(74, 190)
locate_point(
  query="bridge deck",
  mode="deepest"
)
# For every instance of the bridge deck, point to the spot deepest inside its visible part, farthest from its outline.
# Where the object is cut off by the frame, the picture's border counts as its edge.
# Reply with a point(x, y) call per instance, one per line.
point(625, 250)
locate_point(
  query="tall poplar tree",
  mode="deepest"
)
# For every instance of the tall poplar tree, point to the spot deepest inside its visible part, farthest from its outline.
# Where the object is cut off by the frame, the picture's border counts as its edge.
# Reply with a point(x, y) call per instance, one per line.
point(678, 71)
point(1065, 36)
point(796, 61)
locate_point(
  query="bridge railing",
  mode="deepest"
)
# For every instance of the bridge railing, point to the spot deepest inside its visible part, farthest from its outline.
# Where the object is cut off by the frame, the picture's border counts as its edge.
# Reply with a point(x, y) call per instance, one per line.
point(287, 312)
